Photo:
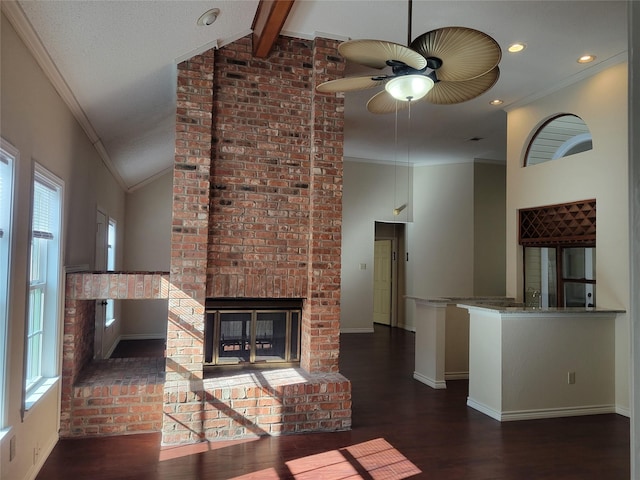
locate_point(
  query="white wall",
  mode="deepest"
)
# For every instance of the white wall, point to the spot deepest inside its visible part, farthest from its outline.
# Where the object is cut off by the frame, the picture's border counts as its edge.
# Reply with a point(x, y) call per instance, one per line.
point(634, 200)
point(35, 120)
point(147, 247)
point(368, 196)
point(441, 237)
point(602, 173)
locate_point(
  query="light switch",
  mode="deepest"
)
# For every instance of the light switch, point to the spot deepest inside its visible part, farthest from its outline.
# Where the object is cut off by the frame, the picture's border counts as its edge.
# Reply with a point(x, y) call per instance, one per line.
point(363, 266)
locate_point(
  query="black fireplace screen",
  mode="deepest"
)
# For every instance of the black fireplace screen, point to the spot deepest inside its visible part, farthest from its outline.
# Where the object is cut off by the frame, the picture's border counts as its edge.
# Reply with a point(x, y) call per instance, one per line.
point(253, 336)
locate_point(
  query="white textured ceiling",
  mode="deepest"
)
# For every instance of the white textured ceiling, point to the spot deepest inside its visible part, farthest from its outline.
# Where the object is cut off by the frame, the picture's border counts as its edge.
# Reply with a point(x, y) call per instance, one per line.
point(119, 58)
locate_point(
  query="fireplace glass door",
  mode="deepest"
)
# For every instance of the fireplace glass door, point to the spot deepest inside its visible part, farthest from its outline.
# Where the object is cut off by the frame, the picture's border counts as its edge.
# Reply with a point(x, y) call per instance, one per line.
point(252, 337)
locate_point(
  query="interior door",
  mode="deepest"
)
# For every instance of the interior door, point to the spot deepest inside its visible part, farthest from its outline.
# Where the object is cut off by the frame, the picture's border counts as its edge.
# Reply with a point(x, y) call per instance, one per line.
point(382, 282)
point(100, 265)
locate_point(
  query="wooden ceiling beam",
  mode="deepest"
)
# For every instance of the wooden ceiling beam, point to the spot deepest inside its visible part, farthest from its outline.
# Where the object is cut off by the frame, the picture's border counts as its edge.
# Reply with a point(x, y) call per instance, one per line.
point(268, 23)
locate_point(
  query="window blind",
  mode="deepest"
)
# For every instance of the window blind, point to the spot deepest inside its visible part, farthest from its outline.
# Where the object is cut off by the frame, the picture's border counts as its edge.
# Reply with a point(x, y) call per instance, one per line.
point(43, 202)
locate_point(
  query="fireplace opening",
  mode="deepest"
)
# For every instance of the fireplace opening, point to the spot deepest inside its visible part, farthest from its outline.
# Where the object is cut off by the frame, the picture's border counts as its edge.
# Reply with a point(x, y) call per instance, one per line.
point(252, 333)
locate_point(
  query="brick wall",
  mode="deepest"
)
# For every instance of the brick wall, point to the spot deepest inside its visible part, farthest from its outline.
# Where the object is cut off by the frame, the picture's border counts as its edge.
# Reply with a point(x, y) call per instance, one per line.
point(118, 396)
point(77, 351)
point(271, 148)
point(321, 316)
point(96, 402)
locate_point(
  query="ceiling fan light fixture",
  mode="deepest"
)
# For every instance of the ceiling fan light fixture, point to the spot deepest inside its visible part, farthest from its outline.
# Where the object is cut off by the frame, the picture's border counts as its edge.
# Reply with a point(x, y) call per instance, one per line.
point(409, 87)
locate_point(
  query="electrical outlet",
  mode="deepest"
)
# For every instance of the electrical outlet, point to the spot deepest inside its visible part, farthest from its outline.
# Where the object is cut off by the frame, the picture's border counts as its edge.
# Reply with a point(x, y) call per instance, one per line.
point(12, 448)
point(571, 378)
point(36, 453)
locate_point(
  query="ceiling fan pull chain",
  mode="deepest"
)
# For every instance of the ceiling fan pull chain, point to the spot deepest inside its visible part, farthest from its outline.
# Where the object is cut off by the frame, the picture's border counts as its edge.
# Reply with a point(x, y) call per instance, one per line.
point(410, 21)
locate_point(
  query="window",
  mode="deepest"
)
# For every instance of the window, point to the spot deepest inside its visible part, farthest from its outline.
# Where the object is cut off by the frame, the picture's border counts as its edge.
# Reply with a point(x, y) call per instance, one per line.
point(44, 282)
point(560, 276)
point(559, 137)
point(111, 266)
point(7, 158)
point(559, 254)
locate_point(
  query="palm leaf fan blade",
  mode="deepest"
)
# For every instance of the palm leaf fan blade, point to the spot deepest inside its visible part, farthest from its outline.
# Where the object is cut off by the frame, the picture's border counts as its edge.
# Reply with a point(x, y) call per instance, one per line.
point(465, 53)
point(449, 93)
point(376, 53)
point(350, 84)
point(383, 102)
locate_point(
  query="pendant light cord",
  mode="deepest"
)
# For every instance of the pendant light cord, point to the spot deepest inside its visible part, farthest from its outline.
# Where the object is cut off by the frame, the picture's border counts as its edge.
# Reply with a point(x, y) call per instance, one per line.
point(395, 162)
point(408, 158)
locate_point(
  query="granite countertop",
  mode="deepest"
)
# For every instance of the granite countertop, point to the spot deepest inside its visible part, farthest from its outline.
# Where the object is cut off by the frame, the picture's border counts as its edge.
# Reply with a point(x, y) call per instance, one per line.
point(521, 308)
point(475, 300)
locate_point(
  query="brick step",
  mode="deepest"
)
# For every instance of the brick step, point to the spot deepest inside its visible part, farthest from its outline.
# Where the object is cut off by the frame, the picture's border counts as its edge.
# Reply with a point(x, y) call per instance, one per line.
point(117, 396)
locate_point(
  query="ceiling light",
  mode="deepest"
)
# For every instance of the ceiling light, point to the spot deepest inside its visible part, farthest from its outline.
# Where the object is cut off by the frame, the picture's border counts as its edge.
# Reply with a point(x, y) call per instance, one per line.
point(586, 58)
point(208, 17)
point(516, 47)
point(497, 101)
point(409, 87)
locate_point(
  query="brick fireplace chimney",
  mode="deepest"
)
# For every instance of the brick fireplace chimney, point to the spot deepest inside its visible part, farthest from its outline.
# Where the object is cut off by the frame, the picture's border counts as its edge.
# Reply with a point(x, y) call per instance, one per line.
point(257, 213)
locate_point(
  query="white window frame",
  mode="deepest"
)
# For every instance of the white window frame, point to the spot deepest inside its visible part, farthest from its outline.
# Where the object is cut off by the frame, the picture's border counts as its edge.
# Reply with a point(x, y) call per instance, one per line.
point(45, 361)
point(110, 314)
point(8, 160)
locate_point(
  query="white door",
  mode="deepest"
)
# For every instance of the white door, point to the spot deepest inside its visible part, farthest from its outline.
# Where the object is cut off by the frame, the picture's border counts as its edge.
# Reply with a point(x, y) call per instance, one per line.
point(100, 265)
point(382, 282)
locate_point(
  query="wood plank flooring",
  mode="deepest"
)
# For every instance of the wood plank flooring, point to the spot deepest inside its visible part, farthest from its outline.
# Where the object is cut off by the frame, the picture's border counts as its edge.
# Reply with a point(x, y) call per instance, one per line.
point(401, 429)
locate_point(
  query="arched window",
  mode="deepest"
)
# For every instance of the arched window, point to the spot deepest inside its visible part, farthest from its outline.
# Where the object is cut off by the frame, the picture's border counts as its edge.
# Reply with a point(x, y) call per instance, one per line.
point(559, 137)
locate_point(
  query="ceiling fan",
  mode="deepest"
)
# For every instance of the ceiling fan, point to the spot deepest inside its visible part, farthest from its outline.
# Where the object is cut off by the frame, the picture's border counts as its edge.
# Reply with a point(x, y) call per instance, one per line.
point(444, 66)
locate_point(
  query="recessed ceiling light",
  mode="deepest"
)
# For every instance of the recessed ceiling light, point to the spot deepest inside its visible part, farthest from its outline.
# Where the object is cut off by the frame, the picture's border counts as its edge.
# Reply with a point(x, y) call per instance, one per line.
point(208, 17)
point(497, 101)
point(586, 58)
point(516, 47)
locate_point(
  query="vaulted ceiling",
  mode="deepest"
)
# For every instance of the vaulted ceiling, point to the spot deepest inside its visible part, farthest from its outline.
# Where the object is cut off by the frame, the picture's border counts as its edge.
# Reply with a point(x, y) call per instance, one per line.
point(115, 63)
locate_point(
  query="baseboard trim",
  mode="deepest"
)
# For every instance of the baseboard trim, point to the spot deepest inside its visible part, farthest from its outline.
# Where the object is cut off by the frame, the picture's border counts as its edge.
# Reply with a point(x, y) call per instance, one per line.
point(625, 412)
point(406, 327)
point(357, 330)
point(482, 408)
point(557, 412)
point(141, 336)
point(435, 384)
point(456, 375)
point(536, 414)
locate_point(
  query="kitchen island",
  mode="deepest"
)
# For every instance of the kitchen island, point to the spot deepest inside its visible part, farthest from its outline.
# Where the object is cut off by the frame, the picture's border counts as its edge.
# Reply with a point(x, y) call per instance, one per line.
point(527, 363)
point(442, 338)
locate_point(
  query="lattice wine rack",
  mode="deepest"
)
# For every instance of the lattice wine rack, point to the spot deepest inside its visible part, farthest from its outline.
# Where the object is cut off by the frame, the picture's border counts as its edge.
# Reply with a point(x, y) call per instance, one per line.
point(568, 223)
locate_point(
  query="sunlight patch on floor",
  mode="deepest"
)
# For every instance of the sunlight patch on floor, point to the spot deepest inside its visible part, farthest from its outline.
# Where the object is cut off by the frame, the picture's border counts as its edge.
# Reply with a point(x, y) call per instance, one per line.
point(375, 459)
point(169, 453)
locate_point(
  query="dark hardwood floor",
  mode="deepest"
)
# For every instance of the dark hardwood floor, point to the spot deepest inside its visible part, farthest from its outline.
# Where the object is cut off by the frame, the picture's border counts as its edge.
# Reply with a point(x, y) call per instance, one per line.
point(139, 348)
point(401, 429)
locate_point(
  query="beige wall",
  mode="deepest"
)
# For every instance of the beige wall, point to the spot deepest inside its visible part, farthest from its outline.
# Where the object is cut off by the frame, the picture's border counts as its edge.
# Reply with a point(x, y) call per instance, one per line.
point(602, 173)
point(36, 121)
point(489, 203)
point(147, 247)
point(441, 237)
